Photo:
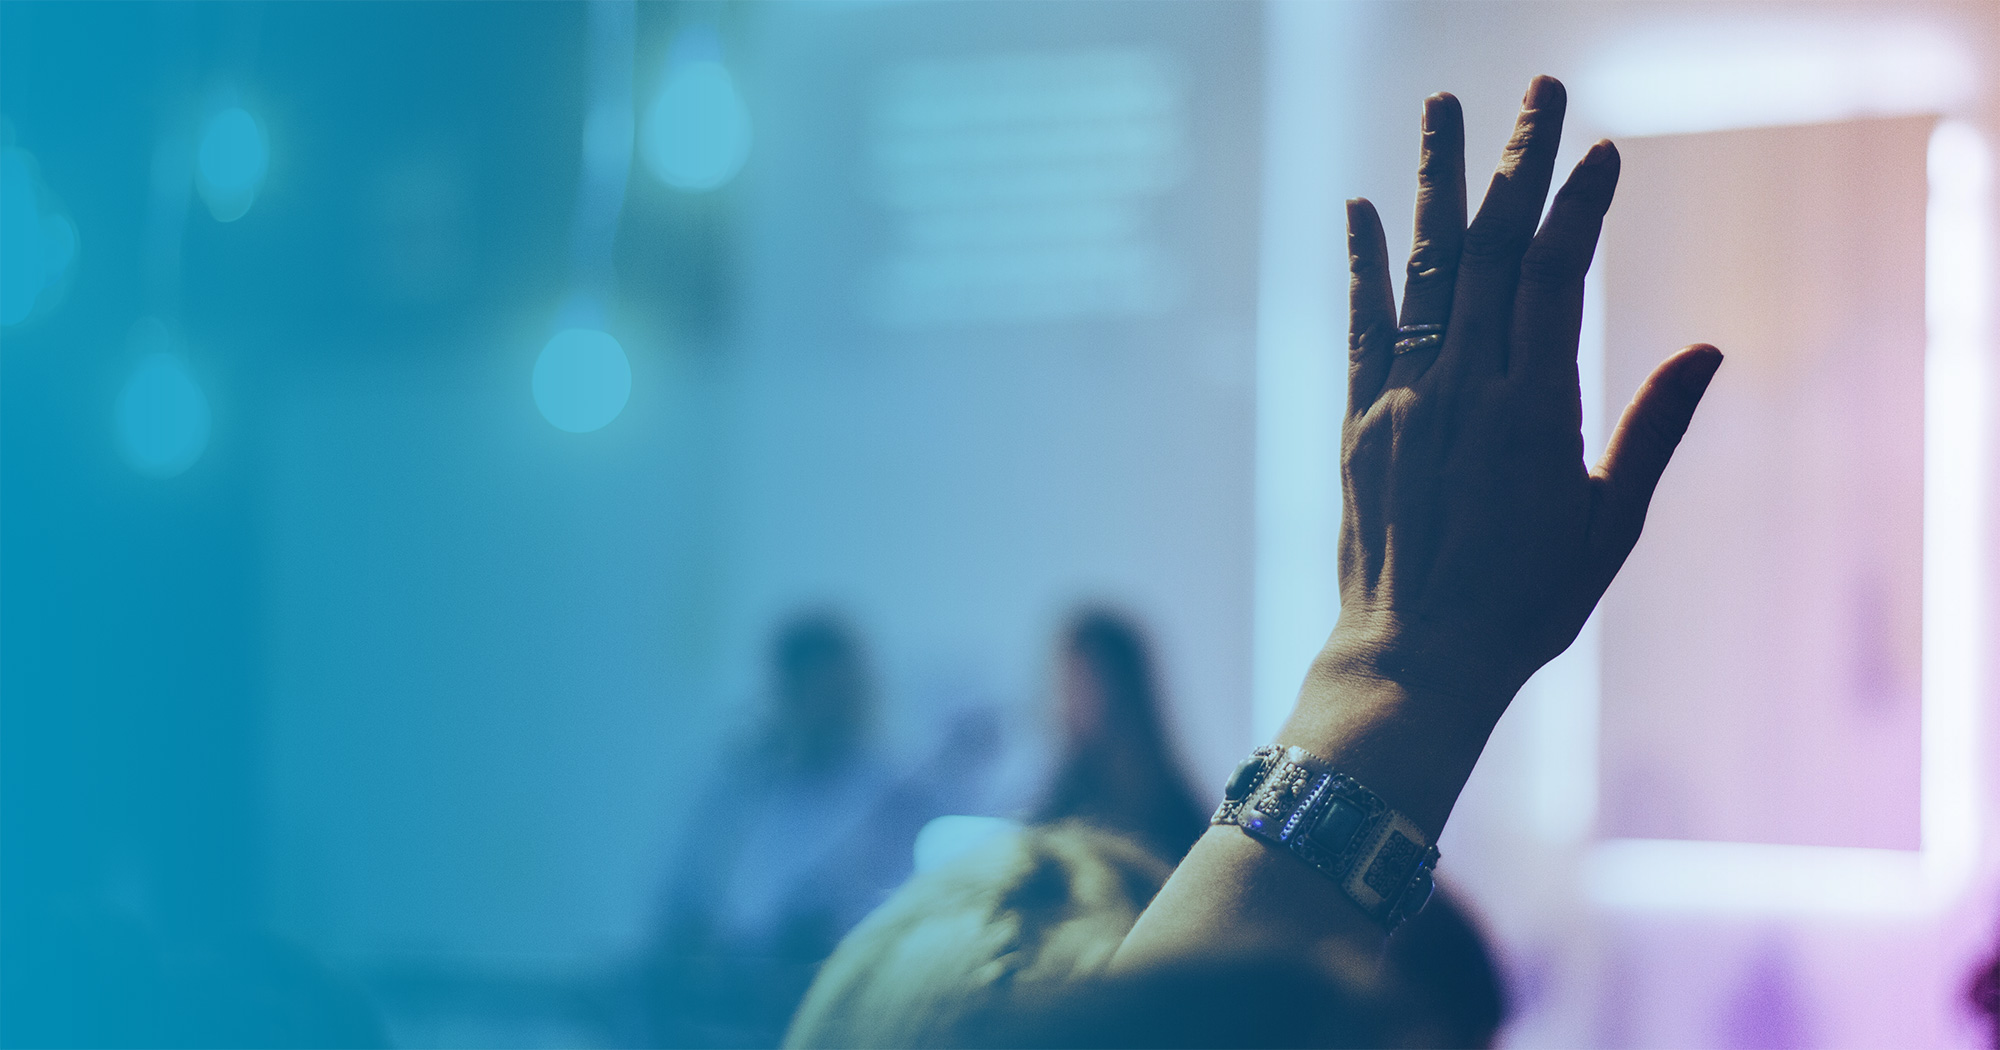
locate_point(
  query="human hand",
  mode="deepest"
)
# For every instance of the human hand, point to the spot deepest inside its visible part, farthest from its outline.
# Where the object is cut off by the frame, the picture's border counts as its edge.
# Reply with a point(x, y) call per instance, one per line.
point(1475, 542)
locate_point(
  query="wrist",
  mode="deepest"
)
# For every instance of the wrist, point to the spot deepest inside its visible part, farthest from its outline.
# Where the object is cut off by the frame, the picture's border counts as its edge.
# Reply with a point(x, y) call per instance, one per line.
point(1375, 659)
point(1409, 729)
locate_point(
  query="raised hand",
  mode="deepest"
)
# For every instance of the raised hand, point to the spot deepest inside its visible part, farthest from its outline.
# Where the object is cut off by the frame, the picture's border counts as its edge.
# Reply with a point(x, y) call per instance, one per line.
point(1475, 540)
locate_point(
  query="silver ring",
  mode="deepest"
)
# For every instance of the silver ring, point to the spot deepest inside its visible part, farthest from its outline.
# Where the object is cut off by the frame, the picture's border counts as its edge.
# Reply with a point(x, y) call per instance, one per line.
point(1411, 338)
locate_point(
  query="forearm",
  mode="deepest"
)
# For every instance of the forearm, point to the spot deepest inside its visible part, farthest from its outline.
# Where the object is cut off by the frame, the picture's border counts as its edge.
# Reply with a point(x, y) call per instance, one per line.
point(1413, 747)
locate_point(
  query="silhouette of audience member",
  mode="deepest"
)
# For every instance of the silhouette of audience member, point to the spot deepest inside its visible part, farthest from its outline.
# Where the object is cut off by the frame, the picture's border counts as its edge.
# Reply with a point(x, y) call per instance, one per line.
point(1117, 770)
point(1008, 945)
point(819, 833)
point(1444, 970)
point(936, 964)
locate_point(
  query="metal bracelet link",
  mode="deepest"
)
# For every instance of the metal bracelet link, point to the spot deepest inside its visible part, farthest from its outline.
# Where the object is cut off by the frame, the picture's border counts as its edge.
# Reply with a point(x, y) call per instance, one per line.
point(1294, 799)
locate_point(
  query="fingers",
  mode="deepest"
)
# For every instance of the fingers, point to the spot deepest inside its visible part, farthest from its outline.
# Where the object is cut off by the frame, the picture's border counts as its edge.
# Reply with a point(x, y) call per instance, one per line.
point(1482, 308)
point(1440, 229)
point(1371, 306)
point(1647, 434)
point(1548, 306)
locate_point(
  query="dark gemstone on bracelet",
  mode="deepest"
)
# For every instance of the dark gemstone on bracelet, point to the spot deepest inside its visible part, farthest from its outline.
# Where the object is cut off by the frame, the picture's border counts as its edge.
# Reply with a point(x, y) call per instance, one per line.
point(1241, 780)
point(1336, 827)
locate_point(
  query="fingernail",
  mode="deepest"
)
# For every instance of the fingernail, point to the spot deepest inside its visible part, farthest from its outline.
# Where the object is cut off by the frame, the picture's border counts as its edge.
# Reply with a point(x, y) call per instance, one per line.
point(1433, 109)
point(1541, 91)
point(1696, 377)
point(1599, 152)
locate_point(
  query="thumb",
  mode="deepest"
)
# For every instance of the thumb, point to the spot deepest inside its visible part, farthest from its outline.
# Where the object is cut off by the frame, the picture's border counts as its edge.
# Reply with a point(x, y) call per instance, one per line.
point(1645, 439)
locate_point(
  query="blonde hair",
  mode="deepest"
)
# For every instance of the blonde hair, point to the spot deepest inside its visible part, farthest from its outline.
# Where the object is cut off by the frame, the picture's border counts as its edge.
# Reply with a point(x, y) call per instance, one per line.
point(1022, 914)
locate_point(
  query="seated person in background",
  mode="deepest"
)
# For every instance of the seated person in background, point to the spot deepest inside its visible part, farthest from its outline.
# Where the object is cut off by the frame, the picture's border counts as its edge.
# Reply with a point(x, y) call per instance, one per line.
point(1117, 771)
point(821, 834)
point(1474, 543)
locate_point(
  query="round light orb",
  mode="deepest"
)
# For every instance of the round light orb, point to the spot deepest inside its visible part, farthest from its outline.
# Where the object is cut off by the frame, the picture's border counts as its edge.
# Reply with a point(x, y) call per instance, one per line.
point(697, 131)
point(231, 163)
point(582, 380)
point(37, 244)
point(23, 260)
point(162, 416)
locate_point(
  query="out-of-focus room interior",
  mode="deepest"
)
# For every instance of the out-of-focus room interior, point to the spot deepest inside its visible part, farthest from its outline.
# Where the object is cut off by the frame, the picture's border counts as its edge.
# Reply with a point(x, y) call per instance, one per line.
point(438, 442)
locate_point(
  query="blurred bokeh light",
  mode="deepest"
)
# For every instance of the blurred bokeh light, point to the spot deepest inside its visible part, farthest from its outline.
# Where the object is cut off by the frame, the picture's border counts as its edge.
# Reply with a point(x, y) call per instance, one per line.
point(230, 163)
point(163, 415)
point(38, 240)
point(582, 380)
point(696, 134)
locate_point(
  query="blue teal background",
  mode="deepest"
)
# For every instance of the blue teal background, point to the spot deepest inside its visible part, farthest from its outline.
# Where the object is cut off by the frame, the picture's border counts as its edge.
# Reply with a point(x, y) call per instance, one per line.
point(382, 718)
point(364, 668)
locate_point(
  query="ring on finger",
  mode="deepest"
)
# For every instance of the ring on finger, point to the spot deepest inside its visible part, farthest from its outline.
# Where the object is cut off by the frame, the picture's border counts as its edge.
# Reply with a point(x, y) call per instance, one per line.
point(1411, 338)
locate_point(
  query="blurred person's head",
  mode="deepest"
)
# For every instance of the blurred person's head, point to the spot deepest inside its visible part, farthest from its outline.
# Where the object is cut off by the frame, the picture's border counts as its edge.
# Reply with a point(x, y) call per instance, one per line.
point(1118, 770)
point(1106, 682)
point(1041, 906)
point(1444, 971)
point(1249, 1000)
point(1009, 946)
point(823, 706)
